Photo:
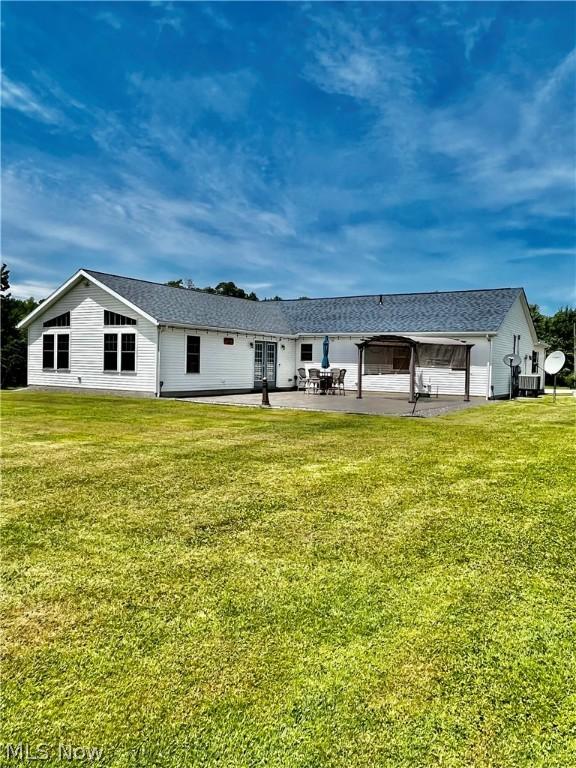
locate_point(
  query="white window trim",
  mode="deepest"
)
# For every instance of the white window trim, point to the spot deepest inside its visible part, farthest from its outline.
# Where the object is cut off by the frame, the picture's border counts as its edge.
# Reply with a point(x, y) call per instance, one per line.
point(118, 330)
point(57, 331)
point(196, 336)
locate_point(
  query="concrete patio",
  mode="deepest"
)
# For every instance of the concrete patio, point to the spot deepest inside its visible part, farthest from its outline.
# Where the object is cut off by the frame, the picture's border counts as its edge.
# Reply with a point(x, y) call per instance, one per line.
point(372, 403)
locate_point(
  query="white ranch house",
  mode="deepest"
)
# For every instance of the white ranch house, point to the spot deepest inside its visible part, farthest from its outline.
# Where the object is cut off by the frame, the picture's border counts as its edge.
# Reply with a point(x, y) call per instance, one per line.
point(105, 332)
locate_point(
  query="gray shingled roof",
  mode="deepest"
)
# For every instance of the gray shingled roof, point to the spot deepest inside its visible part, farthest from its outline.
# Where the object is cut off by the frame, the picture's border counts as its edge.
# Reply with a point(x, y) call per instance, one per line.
point(446, 312)
point(178, 305)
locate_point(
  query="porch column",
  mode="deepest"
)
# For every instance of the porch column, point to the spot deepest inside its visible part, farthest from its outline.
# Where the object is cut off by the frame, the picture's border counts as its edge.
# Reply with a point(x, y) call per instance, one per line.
point(412, 373)
point(360, 359)
point(467, 376)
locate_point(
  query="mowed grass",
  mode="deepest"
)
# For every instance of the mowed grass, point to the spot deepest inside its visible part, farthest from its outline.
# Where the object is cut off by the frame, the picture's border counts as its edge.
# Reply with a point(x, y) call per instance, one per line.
point(189, 585)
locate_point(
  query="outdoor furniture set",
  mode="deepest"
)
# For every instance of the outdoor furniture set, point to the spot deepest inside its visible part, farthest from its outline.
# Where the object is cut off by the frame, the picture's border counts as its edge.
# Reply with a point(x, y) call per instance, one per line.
point(320, 382)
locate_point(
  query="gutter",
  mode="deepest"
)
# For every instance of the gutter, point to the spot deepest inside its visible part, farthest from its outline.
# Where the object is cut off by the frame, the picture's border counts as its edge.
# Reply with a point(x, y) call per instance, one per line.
point(158, 384)
point(354, 335)
point(227, 329)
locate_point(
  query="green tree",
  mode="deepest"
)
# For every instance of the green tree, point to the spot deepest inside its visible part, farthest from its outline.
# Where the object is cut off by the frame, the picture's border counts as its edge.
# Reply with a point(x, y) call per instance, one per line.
point(12, 341)
point(222, 289)
point(557, 332)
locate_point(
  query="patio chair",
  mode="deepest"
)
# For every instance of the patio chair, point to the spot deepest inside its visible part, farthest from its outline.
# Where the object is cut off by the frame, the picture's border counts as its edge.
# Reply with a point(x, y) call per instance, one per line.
point(335, 374)
point(302, 380)
point(313, 379)
point(340, 382)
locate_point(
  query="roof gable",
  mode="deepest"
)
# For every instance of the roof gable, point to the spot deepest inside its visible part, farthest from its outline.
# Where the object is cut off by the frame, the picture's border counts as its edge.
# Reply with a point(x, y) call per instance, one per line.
point(77, 277)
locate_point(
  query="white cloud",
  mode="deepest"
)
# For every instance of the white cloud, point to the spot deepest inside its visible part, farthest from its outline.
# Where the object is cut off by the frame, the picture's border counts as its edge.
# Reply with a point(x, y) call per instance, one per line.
point(20, 97)
point(165, 193)
point(112, 19)
point(186, 98)
point(172, 17)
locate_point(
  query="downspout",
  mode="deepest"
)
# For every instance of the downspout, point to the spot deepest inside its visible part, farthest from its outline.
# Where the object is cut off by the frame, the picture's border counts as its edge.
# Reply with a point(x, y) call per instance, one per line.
point(489, 382)
point(158, 361)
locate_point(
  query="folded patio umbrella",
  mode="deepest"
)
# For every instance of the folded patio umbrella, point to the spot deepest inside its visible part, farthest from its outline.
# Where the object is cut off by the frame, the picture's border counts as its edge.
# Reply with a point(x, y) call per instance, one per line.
point(325, 347)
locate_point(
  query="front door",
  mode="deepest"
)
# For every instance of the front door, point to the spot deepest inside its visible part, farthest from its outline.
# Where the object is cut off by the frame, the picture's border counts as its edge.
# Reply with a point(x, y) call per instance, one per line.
point(264, 363)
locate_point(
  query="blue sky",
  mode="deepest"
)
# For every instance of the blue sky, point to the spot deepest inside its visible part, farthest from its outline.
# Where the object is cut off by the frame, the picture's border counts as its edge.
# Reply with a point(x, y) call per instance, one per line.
point(298, 149)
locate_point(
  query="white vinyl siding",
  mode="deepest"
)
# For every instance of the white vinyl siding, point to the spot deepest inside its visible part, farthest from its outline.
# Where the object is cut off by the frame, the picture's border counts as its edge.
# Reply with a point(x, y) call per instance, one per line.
point(222, 366)
point(86, 304)
point(515, 324)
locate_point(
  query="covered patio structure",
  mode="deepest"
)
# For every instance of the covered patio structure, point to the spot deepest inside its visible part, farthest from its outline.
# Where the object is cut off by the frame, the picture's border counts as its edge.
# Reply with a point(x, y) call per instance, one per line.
point(392, 354)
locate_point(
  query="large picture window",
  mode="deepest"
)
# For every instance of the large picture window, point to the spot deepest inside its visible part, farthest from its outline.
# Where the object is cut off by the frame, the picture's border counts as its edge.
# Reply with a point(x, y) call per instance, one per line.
point(63, 351)
point(192, 354)
point(48, 351)
point(120, 352)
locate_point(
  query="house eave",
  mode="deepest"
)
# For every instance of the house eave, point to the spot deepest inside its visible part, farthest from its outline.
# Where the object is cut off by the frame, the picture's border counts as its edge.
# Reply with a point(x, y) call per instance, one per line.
point(358, 335)
point(223, 329)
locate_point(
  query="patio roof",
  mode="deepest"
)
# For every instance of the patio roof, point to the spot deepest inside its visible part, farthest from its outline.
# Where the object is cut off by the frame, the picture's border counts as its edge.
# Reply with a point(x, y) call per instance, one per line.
point(437, 340)
point(413, 342)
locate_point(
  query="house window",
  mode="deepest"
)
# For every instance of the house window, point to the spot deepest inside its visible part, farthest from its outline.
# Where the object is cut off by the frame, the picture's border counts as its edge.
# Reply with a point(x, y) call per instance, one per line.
point(535, 362)
point(306, 353)
point(110, 351)
point(120, 352)
point(113, 318)
point(63, 351)
point(60, 321)
point(128, 352)
point(192, 354)
point(228, 341)
point(48, 351)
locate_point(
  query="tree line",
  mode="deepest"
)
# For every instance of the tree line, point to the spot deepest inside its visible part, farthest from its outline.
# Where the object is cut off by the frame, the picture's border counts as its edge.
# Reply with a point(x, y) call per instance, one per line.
point(222, 289)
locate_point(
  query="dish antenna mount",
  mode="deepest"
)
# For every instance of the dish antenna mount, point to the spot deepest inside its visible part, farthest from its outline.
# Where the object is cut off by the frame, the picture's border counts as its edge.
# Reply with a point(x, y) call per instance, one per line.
point(512, 361)
point(553, 364)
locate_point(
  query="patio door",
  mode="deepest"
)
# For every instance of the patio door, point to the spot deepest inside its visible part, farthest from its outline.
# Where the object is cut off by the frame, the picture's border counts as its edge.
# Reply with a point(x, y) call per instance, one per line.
point(264, 363)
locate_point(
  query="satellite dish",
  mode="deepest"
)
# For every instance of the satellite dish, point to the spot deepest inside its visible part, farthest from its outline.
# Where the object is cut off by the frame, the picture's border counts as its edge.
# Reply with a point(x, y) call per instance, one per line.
point(512, 360)
point(554, 362)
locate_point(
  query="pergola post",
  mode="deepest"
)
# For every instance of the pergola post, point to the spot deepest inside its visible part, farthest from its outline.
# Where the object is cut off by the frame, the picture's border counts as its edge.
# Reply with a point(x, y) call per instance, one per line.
point(467, 376)
point(412, 373)
point(360, 356)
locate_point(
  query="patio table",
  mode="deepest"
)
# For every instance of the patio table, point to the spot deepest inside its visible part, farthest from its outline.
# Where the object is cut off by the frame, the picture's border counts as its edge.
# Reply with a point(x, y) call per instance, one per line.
point(325, 382)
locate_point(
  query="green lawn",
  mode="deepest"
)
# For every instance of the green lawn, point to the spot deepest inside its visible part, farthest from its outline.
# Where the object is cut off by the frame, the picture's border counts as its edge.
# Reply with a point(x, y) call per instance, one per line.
point(188, 585)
